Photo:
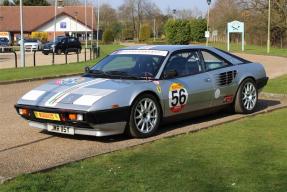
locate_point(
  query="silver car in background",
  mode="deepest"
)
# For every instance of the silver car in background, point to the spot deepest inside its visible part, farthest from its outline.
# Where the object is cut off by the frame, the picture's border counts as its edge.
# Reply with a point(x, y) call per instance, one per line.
point(134, 90)
point(32, 45)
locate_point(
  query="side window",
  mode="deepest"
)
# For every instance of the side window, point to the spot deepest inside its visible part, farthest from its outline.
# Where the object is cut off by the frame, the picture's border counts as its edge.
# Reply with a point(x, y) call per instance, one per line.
point(185, 63)
point(212, 62)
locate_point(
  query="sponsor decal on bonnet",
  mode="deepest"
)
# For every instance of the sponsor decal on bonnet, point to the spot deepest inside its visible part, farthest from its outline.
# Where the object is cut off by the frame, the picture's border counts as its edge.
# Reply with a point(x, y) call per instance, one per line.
point(33, 95)
point(87, 100)
point(54, 100)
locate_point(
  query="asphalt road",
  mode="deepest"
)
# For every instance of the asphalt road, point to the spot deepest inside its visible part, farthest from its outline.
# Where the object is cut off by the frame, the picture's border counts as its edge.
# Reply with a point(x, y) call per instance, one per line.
point(24, 149)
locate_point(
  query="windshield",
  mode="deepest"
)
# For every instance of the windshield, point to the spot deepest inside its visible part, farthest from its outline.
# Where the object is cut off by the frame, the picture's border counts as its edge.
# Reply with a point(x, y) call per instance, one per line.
point(4, 39)
point(136, 66)
point(59, 39)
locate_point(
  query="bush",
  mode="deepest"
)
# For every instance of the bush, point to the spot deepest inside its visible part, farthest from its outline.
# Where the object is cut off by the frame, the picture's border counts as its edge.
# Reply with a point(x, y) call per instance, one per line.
point(108, 36)
point(42, 36)
point(177, 31)
point(145, 33)
point(197, 29)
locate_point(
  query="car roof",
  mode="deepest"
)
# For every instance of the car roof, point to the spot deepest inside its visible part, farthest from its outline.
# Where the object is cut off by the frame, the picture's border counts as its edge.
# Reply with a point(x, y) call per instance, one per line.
point(172, 48)
point(169, 48)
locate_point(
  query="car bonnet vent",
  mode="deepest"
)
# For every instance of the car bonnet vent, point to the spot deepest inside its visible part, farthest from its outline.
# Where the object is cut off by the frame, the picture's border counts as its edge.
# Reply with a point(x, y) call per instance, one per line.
point(226, 78)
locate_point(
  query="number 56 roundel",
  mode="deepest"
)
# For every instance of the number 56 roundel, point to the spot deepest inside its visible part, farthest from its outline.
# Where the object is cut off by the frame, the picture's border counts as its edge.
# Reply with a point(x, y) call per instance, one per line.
point(178, 97)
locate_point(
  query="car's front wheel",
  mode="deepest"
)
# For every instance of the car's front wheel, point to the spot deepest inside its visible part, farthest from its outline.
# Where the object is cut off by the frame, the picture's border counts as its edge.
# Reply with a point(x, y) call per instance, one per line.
point(145, 117)
point(247, 97)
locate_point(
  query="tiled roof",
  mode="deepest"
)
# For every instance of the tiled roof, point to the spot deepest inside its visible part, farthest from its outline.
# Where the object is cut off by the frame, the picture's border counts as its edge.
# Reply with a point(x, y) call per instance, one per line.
point(36, 16)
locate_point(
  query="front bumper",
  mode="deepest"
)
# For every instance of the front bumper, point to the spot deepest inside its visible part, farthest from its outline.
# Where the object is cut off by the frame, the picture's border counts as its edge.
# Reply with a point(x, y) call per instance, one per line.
point(97, 130)
point(96, 123)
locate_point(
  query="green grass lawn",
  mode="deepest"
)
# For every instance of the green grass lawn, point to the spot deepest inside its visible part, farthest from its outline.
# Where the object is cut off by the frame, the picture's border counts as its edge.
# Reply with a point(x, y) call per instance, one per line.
point(52, 70)
point(278, 85)
point(251, 49)
point(246, 155)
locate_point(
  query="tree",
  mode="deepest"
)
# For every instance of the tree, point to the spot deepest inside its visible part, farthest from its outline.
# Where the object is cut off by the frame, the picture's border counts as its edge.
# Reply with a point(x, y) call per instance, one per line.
point(145, 33)
point(28, 2)
point(197, 29)
point(178, 31)
point(108, 36)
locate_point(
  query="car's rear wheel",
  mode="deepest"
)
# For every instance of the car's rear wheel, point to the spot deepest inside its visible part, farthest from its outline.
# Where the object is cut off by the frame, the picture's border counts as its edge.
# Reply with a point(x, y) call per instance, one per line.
point(247, 97)
point(145, 117)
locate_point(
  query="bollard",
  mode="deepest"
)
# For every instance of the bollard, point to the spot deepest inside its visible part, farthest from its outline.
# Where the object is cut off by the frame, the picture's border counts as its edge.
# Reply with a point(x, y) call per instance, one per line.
point(53, 58)
point(78, 56)
point(90, 53)
point(66, 57)
point(85, 54)
point(34, 58)
point(15, 54)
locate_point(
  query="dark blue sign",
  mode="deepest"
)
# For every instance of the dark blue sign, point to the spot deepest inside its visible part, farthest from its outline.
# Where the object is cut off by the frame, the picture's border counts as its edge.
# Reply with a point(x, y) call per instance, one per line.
point(63, 25)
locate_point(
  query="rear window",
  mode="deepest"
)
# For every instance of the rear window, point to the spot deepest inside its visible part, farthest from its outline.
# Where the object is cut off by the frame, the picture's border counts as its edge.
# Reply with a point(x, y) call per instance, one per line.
point(235, 58)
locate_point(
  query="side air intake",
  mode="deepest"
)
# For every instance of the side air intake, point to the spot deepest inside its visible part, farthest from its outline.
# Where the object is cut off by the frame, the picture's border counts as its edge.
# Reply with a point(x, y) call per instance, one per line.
point(226, 78)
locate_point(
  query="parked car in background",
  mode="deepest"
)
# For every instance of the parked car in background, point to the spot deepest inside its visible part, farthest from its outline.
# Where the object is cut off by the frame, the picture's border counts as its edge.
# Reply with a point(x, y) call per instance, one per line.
point(61, 45)
point(4, 42)
point(134, 89)
point(32, 45)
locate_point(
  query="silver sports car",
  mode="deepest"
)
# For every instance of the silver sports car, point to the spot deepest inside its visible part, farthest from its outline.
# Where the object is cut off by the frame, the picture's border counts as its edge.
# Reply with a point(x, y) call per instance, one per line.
point(134, 90)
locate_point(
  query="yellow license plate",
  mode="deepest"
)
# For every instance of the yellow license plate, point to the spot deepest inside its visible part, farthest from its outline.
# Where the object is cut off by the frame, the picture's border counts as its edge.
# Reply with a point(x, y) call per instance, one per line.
point(47, 116)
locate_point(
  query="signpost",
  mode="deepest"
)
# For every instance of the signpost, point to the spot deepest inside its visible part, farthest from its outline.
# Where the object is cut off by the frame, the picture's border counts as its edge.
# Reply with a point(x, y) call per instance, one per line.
point(207, 34)
point(235, 27)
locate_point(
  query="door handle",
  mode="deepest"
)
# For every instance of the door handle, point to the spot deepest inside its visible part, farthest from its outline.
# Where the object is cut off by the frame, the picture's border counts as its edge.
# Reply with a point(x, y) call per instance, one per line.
point(207, 80)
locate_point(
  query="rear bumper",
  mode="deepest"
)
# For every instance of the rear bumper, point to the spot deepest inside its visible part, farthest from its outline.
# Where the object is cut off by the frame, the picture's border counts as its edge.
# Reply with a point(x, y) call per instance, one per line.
point(96, 123)
point(262, 82)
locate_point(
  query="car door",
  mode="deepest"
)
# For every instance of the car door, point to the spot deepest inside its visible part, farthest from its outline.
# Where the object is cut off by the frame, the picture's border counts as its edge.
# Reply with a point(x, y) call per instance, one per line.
point(223, 75)
point(190, 89)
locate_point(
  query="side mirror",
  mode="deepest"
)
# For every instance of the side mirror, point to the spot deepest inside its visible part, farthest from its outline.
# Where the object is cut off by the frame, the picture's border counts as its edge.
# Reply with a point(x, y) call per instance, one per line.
point(87, 69)
point(170, 74)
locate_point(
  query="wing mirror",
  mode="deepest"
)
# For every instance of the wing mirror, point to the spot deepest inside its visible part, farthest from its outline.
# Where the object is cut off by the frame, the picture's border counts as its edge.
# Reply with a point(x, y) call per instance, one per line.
point(170, 74)
point(87, 69)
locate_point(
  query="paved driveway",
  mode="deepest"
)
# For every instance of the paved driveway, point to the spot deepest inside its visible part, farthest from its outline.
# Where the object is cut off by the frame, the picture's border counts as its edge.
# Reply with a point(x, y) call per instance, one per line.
point(24, 150)
point(274, 66)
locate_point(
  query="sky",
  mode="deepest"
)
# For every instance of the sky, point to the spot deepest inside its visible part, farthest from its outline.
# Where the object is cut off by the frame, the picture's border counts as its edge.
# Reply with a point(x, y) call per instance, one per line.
point(172, 4)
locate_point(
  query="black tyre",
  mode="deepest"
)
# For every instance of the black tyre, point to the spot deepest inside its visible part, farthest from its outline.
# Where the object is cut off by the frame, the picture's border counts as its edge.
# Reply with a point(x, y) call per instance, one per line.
point(45, 53)
point(145, 117)
point(246, 97)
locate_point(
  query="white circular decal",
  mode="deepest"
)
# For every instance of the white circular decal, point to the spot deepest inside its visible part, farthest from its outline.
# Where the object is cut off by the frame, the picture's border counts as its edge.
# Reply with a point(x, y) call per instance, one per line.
point(217, 93)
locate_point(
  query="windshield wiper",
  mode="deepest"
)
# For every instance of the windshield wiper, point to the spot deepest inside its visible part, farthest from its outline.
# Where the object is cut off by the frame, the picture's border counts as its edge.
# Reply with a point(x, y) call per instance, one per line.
point(122, 74)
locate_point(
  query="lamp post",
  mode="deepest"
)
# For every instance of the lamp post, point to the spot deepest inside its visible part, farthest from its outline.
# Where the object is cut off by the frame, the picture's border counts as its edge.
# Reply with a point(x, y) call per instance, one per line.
point(98, 23)
point(174, 13)
point(269, 27)
point(92, 25)
point(86, 23)
point(207, 33)
point(55, 23)
point(22, 36)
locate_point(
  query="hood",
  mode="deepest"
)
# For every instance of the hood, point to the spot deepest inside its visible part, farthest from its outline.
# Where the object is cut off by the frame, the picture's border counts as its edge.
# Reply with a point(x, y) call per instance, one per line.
point(77, 93)
point(31, 43)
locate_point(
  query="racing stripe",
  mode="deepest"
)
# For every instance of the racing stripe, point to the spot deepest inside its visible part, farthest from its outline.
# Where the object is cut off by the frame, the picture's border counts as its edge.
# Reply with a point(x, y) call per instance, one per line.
point(54, 100)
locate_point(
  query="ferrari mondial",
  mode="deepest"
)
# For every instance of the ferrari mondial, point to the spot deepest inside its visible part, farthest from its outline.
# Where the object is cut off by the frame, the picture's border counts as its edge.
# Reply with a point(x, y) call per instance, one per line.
point(134, 89)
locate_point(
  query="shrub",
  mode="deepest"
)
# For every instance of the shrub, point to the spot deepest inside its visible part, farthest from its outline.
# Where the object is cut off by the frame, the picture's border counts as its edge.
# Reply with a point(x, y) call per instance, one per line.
point(197, 29)
point(177, 31)
point(42, 36)
point(108, 36)
point(145, 33)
